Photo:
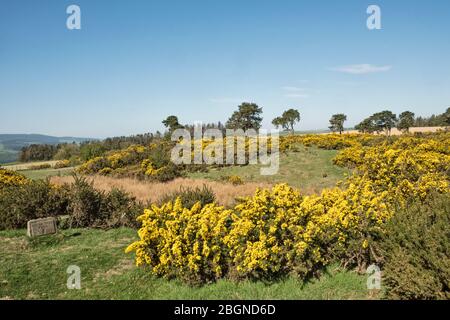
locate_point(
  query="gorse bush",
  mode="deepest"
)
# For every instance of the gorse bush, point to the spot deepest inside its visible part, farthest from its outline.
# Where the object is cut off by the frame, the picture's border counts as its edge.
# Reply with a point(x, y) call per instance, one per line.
point(62, 164)
point(90, 207)
point(186, 243)
point(190, 196)
point(85, 206)
point(279, 231)
point(271, 236)
point(416, 251)
point(35, 199)
point(11, 178)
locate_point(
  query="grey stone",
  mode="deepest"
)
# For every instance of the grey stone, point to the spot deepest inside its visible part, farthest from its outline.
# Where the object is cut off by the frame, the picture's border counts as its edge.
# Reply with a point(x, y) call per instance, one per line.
point(41, 227)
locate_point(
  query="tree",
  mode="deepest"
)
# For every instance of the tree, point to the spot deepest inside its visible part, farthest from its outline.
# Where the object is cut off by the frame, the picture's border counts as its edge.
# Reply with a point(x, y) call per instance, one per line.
point(384, 121)
point(378, 122)
point(337, 122)
point(405, 121)
point(287, 120)
point(366, 126)
point(447, 117)
point(247, 117)
point(172, 123)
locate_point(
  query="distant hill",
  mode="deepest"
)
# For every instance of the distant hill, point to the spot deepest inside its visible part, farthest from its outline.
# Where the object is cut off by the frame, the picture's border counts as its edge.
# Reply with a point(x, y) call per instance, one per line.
point(10, 144)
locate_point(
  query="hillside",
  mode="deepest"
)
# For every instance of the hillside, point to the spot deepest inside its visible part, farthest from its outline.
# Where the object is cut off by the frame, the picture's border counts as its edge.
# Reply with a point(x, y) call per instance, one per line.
point(10, 144)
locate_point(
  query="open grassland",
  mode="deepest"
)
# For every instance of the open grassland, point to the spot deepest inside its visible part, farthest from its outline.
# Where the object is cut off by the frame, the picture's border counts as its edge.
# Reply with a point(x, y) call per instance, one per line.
point(146, 191)
point(28, 165)
point(27, 169)
point(36, 269)
point(311, 170)
point(47, 173)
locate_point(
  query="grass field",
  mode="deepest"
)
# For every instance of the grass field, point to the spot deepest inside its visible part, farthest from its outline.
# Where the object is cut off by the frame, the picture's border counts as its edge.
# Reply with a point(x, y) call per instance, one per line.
point(25, 169)
point(46, 173)
point(311, 169)
point(36, 269)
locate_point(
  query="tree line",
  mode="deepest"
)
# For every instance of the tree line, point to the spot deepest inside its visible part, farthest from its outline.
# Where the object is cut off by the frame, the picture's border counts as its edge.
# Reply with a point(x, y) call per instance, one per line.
point(247, 116)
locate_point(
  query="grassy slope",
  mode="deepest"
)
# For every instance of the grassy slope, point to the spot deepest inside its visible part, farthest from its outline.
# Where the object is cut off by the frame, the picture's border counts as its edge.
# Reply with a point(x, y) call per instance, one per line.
point(310, 169)
point(37, 270)
point(45, 173)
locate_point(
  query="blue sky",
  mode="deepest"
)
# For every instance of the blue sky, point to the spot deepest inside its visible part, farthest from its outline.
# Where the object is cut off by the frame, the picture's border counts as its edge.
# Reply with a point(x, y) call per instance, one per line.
point(135, 62)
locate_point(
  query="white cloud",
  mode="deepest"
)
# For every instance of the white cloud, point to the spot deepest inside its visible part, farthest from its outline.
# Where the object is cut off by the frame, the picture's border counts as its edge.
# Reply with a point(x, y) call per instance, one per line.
point(362, 69)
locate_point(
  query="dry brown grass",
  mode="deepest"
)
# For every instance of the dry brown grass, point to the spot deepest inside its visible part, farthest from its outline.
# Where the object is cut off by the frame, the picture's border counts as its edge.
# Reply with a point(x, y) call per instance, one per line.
point(226, 193)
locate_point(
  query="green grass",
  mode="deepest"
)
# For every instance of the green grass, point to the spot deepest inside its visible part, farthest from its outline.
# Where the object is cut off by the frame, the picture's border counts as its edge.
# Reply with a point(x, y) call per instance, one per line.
point(36, 269)
point(45, 173)
point(309, 169)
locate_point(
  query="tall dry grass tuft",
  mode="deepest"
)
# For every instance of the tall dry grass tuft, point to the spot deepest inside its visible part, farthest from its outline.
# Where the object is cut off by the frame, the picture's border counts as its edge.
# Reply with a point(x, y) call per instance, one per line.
point(146, 191)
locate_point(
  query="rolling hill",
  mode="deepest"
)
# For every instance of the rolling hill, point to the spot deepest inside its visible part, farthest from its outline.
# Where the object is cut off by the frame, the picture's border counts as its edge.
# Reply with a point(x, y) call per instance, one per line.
point(10, 144)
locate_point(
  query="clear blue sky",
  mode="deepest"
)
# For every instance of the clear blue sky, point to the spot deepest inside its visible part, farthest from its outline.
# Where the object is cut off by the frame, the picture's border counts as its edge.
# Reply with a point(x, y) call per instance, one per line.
point(135, 62)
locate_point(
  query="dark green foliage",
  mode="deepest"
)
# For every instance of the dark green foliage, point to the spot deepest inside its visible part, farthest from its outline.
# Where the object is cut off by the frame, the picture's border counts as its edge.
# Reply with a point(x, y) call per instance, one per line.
point(416, 251)
point(92, 150)
point(434, 120)
point(92, 208)
point(190, 196)
point(37, 152)
point(378, 122)
point(172, 123)
point(287, 120)
point(337, 122)
point(37, 199)
point(80, 202)
point(405, 121)
point(85, 204)
point(247, 117)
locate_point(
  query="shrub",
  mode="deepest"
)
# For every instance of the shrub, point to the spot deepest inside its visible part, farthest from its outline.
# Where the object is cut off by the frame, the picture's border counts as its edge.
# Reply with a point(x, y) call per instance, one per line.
point(11, 178)
point(85, 204)
point(234, 180)
point(416, 250)
point(41, 166)
point(36, 199)
point(62, 164)
point(184, 243)
point(121, 208)
point(190, 196)
point(92, 208)
point(272, 235)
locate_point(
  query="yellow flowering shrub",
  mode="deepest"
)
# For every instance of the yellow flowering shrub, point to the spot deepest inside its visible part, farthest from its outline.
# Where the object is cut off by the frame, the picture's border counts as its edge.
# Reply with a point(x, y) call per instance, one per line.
point(114, 161)
point(262, 232)
point(62, 164)
point(11, 178)
point(235, 180)
point(279, 231)
point(183, 243)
